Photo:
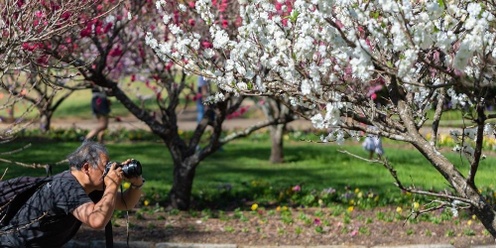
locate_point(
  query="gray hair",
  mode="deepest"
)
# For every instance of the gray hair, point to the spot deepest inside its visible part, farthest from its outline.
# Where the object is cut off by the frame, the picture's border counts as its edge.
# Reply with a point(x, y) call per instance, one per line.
point(88, 152)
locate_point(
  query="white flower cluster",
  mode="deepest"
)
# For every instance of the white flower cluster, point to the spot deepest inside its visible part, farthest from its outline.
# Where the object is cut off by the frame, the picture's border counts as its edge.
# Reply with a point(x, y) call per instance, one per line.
point(461, 100)
point(332, 116)
point(336, 45)
point(337, 135)
point(467, 137)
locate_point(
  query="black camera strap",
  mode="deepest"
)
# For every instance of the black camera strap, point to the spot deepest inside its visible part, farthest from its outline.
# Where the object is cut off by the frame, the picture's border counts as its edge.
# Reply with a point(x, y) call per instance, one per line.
point(109, 239)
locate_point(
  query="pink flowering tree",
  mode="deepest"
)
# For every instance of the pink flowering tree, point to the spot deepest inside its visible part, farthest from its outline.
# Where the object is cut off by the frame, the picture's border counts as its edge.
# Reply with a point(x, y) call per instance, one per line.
point(26, 27)
point(332, 56)
point(25, 24)
point(111, 52)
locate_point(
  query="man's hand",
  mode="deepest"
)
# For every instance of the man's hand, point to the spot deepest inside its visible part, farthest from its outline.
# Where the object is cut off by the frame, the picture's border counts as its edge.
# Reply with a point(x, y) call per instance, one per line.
point(114, 176)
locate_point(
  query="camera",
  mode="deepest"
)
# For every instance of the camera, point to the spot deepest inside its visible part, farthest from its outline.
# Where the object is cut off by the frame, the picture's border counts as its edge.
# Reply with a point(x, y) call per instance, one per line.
point(132, 169)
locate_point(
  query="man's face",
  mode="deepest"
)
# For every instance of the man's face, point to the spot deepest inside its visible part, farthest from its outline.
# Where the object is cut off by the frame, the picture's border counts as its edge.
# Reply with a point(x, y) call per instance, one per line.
point(96, 175)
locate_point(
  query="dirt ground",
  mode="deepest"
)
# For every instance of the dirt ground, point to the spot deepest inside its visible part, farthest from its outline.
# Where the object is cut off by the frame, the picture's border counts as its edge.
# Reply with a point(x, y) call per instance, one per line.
point(304, 227)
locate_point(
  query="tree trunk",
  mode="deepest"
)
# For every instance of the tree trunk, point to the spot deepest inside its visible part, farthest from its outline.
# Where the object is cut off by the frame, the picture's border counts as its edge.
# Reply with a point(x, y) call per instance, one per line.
point(180, 193)
point(465, 190)
point(277, 138)
point(480, 206)
point(45, 122)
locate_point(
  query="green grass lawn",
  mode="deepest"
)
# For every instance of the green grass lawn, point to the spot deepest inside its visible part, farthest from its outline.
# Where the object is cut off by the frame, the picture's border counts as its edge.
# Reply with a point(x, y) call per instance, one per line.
point(243, 167)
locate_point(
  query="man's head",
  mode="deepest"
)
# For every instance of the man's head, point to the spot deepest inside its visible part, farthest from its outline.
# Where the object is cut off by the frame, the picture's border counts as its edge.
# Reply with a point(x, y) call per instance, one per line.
point(89, 160)
point(89, 152)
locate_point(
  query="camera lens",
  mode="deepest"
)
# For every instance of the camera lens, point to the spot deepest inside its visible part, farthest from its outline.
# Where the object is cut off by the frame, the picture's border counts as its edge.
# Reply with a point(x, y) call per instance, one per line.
point(133, 169)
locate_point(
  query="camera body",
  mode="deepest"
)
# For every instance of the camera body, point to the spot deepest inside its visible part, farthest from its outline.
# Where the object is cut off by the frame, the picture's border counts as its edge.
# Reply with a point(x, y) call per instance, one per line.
point(132, 169)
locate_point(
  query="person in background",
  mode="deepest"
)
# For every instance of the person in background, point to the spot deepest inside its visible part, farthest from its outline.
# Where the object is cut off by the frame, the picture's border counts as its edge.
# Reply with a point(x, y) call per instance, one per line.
point(373, 145)
point(86, 193)
point(202, 93)
point(100, 106)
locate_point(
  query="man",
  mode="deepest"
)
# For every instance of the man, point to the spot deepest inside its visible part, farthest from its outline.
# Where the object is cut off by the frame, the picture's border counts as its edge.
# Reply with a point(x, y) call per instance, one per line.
point(83, 194)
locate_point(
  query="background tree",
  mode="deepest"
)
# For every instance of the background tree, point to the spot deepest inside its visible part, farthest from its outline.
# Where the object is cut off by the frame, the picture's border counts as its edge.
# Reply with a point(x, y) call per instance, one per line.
point(326, 55)
point(111, 52)
point(275, 109)
point(25, 26)
point(40, 90)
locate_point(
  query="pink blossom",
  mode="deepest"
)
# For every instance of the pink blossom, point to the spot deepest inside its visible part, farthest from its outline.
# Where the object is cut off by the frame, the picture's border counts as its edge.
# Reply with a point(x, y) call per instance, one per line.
point(223, 6)
point(284, 22)
point(30, 46)
point(176, 17)
point(297, 188)
point(39, 14)
point(107, 27)
point(42, 60)
point(224, 23)
point(317, 221)
point(66, 15)
point(85, 32)
point(115, 52)
point(207, 44)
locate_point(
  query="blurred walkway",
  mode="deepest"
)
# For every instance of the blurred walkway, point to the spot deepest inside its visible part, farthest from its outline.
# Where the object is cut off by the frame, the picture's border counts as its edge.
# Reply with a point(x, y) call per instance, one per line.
point(186, 121)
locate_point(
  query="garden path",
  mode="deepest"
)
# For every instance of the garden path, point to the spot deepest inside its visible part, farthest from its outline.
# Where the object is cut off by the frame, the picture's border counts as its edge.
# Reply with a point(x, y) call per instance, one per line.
point(186, 121)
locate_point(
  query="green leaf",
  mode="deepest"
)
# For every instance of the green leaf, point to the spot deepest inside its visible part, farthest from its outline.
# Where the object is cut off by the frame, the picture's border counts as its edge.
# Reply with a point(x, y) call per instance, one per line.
point(441, 3)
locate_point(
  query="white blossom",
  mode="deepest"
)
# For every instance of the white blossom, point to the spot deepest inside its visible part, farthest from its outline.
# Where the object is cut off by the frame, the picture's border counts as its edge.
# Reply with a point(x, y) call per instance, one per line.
point(242, 86)
point(221, 38)
point(488, 129)
point(166, 19)
point(306, 87)
point(183, 7)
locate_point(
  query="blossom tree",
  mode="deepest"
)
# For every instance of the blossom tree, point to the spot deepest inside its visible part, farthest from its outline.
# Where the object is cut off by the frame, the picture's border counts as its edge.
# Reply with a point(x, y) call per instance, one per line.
point(111, 52)
point(26, 26)
point(329, 56)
